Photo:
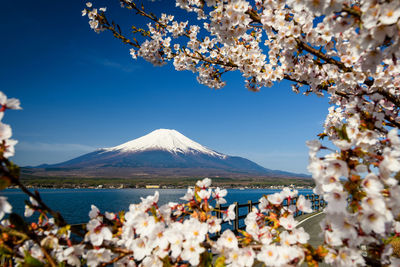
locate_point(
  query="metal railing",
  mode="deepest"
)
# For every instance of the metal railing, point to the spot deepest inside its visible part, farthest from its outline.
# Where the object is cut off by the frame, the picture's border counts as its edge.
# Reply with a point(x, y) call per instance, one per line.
point(317, 203)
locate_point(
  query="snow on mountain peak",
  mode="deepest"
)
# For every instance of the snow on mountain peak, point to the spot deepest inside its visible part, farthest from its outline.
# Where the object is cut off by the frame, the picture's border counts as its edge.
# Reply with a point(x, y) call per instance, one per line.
point(164, 139)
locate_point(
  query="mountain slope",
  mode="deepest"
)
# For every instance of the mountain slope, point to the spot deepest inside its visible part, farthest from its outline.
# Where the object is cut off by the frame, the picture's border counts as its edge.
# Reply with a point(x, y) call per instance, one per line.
point(164, 139)
point(162, 153)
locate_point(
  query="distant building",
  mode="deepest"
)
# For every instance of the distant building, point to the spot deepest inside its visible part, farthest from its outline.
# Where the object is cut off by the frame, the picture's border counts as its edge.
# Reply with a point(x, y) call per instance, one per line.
point(152, 186)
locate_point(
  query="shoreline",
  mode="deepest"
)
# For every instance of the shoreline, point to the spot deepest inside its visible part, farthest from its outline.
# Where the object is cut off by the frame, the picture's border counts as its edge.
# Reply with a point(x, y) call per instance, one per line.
point(166, 182)
point(277, 187)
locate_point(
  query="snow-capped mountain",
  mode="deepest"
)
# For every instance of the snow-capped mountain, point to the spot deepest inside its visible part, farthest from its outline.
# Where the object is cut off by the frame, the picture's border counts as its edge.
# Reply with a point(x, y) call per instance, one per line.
point(165, 140)
point(162, 152)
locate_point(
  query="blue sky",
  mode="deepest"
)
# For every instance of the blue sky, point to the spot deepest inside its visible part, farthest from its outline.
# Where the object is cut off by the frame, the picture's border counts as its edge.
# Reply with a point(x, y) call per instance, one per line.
point(81, 90)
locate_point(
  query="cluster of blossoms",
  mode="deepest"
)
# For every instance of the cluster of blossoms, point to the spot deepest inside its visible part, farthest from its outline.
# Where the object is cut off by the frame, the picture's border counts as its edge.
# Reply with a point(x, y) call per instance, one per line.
point(326, 45)
point(363, 210)
point(172, 234)
point(272, 229)
point(92, 15)
point(348, 50)
point(6, 145)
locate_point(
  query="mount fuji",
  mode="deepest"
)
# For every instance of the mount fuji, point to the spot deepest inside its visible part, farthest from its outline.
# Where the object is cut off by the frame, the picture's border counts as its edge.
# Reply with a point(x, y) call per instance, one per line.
point(162, 152)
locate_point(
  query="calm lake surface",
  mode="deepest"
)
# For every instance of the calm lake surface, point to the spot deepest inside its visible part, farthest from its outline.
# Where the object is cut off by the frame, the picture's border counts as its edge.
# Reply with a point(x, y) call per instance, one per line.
point(74, 204)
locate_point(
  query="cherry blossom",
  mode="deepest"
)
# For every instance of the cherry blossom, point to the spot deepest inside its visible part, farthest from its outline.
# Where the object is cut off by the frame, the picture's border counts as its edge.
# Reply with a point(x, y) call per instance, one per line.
point(5, 207)
point(7, 145)
point(240, 257)
point(194, 230)
point(29, 210)
point(72, 255)
point(5, 131)
point(204, 194)
point(150, 200)
point(191, 252)
point(94, 212)
point(152, 260)
point(219, 195)
point(96, 256)
point(140, 248)
point(97, 232)
point(204, 184)
point(269, 255)
point(303, 205)
point(289, 223)
point(189, 195)
point(214, 225)
point(9, 103)
point(276, 198)
point(229, 214)
point(227, 240)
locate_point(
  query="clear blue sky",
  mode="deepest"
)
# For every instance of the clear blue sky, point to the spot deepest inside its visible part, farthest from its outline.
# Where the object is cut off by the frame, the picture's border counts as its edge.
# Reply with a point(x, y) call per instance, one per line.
point(81, 90)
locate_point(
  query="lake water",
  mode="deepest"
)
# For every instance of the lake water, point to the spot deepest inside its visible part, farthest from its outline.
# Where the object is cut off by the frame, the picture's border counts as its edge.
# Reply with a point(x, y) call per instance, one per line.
point(74, 204)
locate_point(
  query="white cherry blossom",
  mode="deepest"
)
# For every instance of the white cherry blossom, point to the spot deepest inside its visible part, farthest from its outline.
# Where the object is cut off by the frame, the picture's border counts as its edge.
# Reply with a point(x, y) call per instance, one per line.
point(95, 257)
point(97, 233)
point(289, 223)
point(276, 198)
point(28, 210)
point(204, 184)
point(269, 255)
point(140, 248)
point(219, 195)
point(5, 207)
point(94, 212)
point(229, 214)
point(191, 252)
point(189, 195)
point(9, 103)
point(194, 230)
point(303, 204)
point(227, 240)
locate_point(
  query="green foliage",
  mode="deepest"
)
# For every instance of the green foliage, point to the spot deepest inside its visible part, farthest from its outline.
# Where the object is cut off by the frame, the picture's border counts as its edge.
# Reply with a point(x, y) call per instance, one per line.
point(342, 133)
point(5, 253)
point(220, 262)
point(4, 182)
point(397, 176)
point(166, 262)
point(31, 261)
point(13, 169)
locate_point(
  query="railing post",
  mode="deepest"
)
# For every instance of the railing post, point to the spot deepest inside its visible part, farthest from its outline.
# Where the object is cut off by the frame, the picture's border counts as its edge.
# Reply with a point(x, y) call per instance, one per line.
point(312, 202)
point(294, 202)
point(218, 210)
point(218, 215)
point(236, 221)
point(250, 208)
point(317, 203)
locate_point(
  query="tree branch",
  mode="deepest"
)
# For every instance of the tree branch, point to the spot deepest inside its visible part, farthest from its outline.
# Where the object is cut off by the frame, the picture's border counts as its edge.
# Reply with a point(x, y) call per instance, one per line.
point(59, 219)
